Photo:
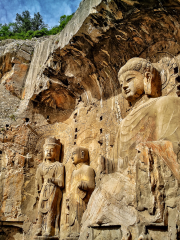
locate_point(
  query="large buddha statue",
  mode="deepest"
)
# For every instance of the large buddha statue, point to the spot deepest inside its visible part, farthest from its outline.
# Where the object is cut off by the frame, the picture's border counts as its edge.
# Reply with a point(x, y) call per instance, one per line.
point(153, 118)
point(49, 182)
point(144, 188)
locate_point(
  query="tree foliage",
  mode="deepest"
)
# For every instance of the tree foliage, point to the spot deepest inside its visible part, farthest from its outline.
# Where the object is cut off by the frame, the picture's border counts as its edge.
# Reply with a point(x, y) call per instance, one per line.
point(23, 22)
point(37, 22)
point(26, 27)
point(64, 20)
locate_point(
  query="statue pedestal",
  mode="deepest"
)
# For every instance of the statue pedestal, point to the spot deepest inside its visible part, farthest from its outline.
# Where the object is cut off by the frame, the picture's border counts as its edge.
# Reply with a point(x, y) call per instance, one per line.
point(45, 238)
point(72, 238)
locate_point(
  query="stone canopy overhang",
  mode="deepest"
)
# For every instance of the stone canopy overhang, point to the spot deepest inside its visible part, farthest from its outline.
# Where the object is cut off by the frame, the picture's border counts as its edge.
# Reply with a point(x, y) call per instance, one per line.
point(86, 68)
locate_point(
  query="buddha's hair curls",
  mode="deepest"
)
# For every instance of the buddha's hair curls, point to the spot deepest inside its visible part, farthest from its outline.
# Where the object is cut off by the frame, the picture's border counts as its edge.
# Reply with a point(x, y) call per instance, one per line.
point(136, 64)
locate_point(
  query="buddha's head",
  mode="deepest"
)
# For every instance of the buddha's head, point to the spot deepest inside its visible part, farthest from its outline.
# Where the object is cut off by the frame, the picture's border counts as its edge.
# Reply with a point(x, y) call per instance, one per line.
point(137, 78)
point(80, 155)
point(52, 149)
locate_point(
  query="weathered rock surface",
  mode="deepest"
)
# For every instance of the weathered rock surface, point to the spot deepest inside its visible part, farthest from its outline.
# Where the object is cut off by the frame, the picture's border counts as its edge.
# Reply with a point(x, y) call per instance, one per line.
point(67, 86)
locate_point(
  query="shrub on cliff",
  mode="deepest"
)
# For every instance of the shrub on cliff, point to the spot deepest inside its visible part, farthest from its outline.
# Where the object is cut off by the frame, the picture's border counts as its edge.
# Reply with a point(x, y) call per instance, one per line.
point(26, 27)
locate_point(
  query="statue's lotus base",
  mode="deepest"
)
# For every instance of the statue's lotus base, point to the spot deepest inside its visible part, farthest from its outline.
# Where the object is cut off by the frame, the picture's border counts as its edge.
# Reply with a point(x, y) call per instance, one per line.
point(45, 238)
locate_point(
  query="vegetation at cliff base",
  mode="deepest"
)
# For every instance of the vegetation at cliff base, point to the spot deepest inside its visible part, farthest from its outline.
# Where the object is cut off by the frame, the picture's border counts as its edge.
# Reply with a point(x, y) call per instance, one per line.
point(27, 27)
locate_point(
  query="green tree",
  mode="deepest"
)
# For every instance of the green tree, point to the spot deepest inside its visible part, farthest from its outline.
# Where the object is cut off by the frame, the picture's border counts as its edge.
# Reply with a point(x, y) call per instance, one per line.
point(64, 20)
point(23, 22)
point(40, 33)
point(5, 31)
point(37, 22)
point(26, 27)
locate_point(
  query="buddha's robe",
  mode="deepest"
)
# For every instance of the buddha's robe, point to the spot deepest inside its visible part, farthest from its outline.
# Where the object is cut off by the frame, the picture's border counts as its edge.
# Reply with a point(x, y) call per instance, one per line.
point(158, 119)
point(137, 192)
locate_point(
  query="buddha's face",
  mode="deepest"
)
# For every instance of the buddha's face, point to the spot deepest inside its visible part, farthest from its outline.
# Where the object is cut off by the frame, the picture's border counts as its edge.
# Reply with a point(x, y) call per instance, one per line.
point(132, 85)
point(50, 152)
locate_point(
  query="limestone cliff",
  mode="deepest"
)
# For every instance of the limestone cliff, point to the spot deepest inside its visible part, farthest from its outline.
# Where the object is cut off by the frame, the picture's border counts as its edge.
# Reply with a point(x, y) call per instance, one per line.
point(67, 86)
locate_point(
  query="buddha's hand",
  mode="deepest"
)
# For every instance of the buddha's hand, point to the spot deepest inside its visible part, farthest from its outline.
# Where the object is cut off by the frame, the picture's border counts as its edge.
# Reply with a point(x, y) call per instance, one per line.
point(60, 183)
point(83, 185)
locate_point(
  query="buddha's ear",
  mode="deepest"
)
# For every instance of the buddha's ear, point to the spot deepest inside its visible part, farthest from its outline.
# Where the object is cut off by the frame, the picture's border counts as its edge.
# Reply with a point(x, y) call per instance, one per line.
point(148, 83)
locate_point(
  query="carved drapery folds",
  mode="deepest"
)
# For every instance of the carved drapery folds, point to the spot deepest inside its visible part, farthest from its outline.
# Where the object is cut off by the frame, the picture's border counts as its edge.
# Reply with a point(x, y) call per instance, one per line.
point(145, 154)
point(126, 185)
point(50, 181)
point(82, 186)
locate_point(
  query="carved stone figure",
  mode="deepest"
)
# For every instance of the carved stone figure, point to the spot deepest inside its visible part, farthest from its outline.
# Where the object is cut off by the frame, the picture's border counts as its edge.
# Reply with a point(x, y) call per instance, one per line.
point(153, 118)
point(145, 156)
point(82, 186)
point(50, 181)
point(148, 137)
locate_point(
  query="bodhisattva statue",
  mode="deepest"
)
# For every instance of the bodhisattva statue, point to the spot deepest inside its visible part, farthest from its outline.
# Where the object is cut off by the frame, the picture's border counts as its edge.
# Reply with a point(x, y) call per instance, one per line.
point(50, 181)
point(82, 186)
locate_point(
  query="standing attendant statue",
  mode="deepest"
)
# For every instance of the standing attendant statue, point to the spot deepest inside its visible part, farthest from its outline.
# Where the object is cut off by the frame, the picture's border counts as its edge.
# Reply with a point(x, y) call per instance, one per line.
point(82, 186)
point(49, 184)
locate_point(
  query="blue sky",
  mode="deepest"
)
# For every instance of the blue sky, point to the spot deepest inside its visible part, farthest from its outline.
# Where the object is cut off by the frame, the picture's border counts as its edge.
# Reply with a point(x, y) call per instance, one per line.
point(51, 10)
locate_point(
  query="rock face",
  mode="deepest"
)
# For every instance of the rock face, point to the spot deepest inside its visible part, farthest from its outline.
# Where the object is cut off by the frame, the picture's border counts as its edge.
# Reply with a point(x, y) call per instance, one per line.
point(69, 87)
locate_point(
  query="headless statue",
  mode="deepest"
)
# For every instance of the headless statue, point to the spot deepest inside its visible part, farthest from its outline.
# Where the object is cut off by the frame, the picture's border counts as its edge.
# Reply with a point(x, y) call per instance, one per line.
point(82, 186)
point(49, 181)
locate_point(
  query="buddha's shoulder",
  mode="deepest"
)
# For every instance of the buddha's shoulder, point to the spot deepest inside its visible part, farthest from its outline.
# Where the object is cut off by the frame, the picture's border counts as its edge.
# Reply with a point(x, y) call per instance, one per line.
point(171, 101)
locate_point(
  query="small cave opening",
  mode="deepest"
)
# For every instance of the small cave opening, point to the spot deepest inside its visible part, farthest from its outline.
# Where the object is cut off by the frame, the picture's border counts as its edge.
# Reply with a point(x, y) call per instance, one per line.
point(101, 118)
point(100, 142)
point(175, 70)
point(75, 115)
point(178, 79)
point(27, 119)
point(74, 143)
point(79, 99)
point(47, 118)
point(0, 152)
point(7, 126)
point(101, 130)
point(75, 136)
point(65, 82)
point(76, 129)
